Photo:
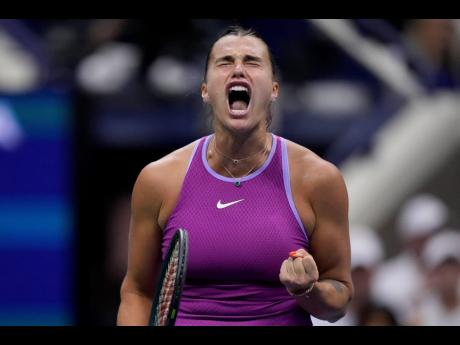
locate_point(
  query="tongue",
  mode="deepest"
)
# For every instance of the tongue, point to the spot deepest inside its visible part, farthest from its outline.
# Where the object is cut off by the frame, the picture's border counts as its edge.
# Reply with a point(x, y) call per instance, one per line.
point(239, 105)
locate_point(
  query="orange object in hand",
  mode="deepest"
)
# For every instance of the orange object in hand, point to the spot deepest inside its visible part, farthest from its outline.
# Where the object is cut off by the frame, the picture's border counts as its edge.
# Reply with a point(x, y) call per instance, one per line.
point(294, 254)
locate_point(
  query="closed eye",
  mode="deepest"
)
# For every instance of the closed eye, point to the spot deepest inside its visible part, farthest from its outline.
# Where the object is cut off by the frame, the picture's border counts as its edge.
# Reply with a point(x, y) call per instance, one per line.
point(252, 60)
point(224, 61)
point(248, 60)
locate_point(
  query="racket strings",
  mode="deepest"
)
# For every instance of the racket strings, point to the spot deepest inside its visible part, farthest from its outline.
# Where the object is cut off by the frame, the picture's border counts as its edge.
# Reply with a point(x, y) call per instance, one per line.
point(167, 290)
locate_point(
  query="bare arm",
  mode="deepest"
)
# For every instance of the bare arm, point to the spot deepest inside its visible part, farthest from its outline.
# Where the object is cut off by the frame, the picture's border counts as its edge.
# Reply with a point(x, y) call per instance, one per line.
point(328, 266)
point(144, 255)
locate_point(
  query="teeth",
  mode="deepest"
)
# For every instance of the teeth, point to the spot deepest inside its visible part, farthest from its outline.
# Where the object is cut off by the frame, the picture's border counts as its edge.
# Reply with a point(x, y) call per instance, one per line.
point(239, 88)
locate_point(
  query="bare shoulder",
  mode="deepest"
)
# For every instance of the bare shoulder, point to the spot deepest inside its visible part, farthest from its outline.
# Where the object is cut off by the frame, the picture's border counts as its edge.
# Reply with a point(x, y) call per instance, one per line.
point(317, 177)
point(308, 165)
point(161, 169)
point(159, 176)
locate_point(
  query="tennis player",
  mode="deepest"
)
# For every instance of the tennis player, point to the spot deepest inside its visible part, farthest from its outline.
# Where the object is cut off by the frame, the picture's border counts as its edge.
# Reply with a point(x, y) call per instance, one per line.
point(267, 219)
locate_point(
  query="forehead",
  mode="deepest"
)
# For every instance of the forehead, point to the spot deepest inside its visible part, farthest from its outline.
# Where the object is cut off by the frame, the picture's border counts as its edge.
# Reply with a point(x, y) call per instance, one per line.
point(239, 46)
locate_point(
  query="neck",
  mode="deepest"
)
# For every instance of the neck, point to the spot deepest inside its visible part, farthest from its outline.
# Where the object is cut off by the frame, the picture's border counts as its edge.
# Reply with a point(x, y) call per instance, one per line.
point(251, 149)
point(240, 145)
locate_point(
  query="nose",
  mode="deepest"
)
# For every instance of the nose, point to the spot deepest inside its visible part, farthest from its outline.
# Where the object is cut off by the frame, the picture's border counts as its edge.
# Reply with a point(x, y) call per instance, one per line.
point(239, 70)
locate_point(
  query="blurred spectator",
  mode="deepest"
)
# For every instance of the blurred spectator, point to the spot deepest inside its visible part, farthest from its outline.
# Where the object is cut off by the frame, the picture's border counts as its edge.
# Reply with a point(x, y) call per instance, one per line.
point(366, 255)
point(440, 305)
point(108, 69)
point(167, 61)
point(431, 43)
point(399, 283)
point(19, 69)
point(107, 56)
point(377, 315)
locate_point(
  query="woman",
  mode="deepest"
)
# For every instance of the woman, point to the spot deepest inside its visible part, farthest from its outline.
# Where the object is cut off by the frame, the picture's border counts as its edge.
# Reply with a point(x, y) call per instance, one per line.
point(247, 198)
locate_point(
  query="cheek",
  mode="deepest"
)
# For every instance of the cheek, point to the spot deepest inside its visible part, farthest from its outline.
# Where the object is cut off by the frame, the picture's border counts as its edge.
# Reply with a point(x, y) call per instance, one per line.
point(264, 90)
point(214, 96)
point(216, 88)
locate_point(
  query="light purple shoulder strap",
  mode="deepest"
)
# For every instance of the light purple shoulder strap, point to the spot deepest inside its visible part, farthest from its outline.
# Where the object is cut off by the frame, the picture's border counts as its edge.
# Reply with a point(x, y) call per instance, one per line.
point(287, 184)
point(197, 144)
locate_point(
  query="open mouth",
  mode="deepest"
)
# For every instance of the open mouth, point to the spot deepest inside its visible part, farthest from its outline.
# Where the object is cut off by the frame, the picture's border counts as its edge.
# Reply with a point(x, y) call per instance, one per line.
point(238, 99)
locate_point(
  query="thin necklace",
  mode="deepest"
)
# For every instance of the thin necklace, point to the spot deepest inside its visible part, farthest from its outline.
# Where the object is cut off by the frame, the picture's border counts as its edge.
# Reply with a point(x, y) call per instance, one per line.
point(238, 179)
point(238, 182)
point(234, 160)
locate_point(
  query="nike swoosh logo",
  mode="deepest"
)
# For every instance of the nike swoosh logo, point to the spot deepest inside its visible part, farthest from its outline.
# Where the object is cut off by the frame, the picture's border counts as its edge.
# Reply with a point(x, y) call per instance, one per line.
point(220, 205)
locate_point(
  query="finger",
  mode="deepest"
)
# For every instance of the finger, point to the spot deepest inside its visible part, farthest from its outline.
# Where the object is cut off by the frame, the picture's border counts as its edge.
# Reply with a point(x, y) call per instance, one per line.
point(309, 266)
point(299, 269)
point(294, 255)
point(299, 253)
point(290, 267)
point(302, 252)
point(284, 274)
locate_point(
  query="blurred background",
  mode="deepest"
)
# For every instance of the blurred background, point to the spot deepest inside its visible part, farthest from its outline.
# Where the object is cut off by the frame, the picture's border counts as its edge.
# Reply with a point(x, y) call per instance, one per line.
point(86, 104)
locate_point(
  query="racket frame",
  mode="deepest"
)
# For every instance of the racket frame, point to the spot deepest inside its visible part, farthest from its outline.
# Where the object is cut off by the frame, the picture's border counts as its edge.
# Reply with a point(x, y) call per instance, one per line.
point(181, 238)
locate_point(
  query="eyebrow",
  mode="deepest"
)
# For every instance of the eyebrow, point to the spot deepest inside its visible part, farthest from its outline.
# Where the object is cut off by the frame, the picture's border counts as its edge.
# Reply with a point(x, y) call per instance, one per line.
point(246, 58)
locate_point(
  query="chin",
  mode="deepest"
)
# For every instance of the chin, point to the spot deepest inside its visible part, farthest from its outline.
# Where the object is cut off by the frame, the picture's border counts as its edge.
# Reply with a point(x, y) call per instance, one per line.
point(240, 126)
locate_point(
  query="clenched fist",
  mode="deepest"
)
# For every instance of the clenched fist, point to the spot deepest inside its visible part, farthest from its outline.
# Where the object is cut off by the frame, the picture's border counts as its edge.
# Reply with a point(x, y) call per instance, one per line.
point(299, 273)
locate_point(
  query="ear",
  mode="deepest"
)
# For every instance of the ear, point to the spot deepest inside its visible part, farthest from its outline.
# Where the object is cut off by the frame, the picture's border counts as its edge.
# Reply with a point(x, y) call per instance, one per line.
point(275, 91)
point(204, 93)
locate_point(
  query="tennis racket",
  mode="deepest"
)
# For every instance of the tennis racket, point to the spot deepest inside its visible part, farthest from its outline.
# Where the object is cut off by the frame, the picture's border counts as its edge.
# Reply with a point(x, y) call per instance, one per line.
point(171, 282)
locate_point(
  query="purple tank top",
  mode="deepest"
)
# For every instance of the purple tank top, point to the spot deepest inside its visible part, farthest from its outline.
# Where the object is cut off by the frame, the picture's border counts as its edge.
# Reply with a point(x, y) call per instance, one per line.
point(238, 239)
